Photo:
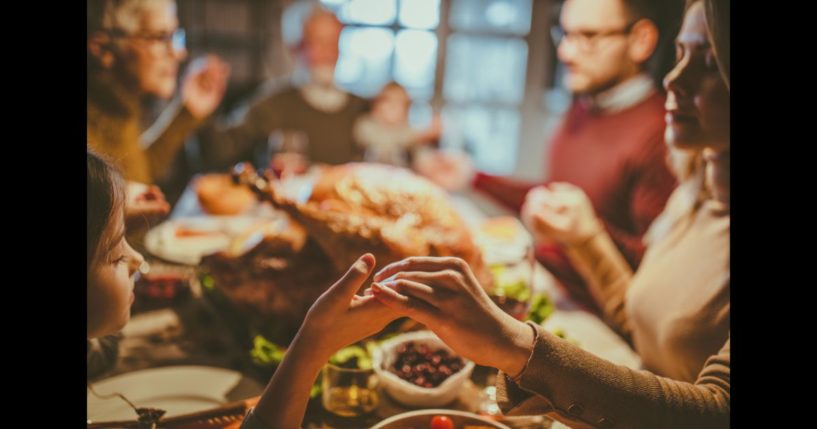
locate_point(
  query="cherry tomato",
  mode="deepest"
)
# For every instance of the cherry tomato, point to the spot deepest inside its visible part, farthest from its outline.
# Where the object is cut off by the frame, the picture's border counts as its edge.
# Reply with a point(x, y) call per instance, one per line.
point(441, 422)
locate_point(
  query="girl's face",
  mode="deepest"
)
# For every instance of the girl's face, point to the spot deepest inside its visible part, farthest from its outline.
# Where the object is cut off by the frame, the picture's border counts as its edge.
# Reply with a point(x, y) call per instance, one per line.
point(392, 106)
point(111, 280)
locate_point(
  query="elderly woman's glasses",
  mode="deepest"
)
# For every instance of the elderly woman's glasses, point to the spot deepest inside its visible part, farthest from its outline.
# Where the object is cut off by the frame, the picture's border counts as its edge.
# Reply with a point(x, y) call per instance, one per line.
point(177, 40)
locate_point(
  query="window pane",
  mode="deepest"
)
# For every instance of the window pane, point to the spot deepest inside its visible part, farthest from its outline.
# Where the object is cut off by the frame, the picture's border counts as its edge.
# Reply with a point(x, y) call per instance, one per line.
point(334, 4)
point(364, 65)
point(500, 16)
point(420, 14)
point(491, 135)
point(420, 115)
point(369, 12)
point(415, 61)
point(485, 69)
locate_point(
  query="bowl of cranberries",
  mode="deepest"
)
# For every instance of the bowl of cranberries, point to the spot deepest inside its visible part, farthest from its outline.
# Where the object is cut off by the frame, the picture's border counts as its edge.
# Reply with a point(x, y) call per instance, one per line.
point(419, 370)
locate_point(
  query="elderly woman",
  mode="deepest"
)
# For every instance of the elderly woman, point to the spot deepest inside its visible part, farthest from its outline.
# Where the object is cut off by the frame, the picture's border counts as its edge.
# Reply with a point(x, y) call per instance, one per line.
point(134, 50)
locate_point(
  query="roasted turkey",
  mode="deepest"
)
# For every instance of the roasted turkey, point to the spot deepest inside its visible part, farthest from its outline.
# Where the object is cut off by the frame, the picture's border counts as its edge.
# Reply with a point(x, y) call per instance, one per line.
point(352, 209)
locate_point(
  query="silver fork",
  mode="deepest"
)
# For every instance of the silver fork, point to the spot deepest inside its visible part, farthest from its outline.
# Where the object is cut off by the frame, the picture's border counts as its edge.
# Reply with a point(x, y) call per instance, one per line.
point(146, 416)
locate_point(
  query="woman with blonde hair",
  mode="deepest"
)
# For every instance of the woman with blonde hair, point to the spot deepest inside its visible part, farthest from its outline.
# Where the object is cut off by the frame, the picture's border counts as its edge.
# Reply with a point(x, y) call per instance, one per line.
point(674, 309)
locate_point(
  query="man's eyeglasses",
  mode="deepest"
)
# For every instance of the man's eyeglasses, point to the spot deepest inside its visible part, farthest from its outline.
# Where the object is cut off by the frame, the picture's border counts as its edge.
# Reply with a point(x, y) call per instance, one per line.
point(585, 40)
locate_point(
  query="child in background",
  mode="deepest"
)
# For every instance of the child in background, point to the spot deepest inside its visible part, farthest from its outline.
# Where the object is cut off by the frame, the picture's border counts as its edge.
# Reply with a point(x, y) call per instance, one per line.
point(385, 132)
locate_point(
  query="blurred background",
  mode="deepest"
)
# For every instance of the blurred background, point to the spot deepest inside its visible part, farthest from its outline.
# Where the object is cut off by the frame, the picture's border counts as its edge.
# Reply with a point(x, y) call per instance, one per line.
point(489, 66)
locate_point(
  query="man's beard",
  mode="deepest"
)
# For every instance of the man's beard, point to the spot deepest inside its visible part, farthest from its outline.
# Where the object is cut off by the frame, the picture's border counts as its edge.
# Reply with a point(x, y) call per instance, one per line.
point(321, 93)
point(323, 76)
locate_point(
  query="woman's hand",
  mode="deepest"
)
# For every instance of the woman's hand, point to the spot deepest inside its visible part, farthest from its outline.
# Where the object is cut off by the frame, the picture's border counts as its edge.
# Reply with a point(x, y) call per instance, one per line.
point(560, 212)
point(444, 295)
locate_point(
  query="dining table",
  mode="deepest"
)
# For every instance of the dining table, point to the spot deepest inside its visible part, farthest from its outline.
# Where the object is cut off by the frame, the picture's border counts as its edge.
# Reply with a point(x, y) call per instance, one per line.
point(192, 332)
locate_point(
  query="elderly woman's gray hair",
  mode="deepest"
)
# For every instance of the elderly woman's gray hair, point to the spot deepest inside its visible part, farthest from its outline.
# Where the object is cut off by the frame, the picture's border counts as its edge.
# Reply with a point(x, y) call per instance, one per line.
point(124, 15)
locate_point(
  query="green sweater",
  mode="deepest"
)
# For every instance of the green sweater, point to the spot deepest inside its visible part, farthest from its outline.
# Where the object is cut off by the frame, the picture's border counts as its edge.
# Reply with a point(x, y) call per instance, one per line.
point(114, 130)
point(330, 136)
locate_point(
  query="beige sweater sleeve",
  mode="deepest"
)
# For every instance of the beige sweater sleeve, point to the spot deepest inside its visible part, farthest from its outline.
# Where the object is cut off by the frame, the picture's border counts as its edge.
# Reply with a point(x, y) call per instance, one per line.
point(608, 276)
point(583, 390)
